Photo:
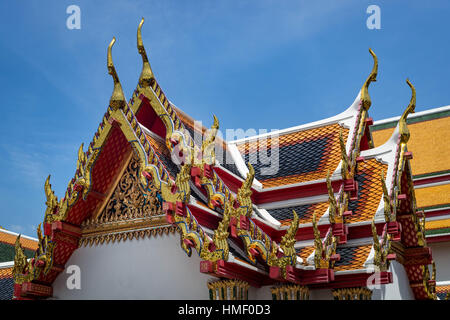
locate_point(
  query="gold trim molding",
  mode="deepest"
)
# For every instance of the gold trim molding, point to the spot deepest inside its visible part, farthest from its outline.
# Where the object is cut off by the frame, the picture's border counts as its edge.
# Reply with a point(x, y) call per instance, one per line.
point(360, 293)
point(132, 211)
point(228, 290)
point(290, 292)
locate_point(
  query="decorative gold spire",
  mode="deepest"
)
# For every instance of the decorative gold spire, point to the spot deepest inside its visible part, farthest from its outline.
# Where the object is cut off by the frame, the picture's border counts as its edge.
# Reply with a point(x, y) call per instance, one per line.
point(245, 191)
point(288, 240)
point(365, 97)
point(208, 145)
point(345, 161)
point(382, 249)
point(317, 243)
point(387, 200)
point(147, 74)
point(404, 132)
point(331, 200)
point(117, 100)
point(20, 260)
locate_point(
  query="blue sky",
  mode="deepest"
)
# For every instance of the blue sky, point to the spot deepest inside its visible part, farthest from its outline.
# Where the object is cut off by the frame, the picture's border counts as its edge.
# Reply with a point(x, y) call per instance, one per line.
point(255, 64)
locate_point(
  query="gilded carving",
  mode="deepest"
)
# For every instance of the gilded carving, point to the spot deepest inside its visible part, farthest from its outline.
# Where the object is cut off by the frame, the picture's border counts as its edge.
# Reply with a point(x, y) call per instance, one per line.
point(404, 131)
point(429, 282)
point(365, 97)
point(290, 292)
point(228, 290)
point(130, 198)
point(146, 76)
point(117, 100)
point(346, 165)
point(360, 293)
point(28, 270)
point(388, 216)
point(333, 213)
point(323, 250)
point(382, 248)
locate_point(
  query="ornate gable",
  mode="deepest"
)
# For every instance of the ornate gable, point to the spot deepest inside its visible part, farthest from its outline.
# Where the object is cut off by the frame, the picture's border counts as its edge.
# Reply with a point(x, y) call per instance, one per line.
point(132, 210)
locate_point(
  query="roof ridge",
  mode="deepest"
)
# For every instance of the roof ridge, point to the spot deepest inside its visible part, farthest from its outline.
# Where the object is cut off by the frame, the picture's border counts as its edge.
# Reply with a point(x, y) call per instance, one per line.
point(17, 234)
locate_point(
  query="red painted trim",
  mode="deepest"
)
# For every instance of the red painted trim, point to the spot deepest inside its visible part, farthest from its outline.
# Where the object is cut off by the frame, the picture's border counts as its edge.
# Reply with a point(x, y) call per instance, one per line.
point(355, 280)
point(285, 193)
point(314, 277)
point(363, 231)
point(432, 180)
point(35, 289)
point(210, 221)
point(205, 218)
point(436, 239)
point(302, 277)
point(417, 256)
point(60, 226)
point(436, 213)
point(147, 116)
point(369, 121)
point(232, 270)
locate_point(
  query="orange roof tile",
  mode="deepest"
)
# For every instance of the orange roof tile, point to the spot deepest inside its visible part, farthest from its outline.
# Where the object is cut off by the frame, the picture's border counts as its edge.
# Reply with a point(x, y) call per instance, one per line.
point(11, 239)
point(6, 273)
point(432, 196)
point(437, 224)
point(304, 212)
point(425, 143)
point(442, 288)
point(369, 190)
point(305, 252)
point(443, 291)
point(303, 155)
point(352, 258)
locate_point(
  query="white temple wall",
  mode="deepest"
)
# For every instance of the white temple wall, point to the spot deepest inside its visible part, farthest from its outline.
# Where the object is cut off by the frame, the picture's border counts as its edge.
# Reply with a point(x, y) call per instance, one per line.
point(441, 256)
point(399, 289)
point(148, 268)
point(321, 294)
point(157, 268)
point(262, 293)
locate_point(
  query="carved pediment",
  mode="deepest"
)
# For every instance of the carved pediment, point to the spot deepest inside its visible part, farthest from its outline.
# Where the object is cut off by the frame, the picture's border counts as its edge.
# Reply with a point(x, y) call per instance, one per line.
point(131, 199)
point(132, 210)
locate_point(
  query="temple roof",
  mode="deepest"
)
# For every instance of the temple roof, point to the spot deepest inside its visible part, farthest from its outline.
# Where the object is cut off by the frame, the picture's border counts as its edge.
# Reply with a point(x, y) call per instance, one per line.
point(6, 281)
point(7, 242)
point(443, 290)
point(306, 152)
point(238, 225)
point(431, 173)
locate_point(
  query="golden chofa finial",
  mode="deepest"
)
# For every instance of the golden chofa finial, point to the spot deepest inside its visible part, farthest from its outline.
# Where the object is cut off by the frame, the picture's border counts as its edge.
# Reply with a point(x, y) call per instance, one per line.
point(117, 100)
point(365, 97)
point(404, 132)
point(147, 74)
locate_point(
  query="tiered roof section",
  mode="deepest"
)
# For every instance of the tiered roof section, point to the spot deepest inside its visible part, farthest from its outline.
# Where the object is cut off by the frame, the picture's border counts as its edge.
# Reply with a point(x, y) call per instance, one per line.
point(431, 169)
point(350, 203)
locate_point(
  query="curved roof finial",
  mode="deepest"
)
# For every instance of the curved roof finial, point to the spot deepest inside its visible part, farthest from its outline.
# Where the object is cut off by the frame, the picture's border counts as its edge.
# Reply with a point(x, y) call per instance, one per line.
point(117, 100)
point(146, 76)
point(365, 97)
point(404, 132)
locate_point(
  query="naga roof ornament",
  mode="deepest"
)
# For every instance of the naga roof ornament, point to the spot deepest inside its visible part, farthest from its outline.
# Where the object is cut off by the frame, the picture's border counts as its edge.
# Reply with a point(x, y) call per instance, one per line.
point(404, 132)
point(382, 248)
point(117, 100)
point(365, 97)
point(146, 76)
point(388, 215)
